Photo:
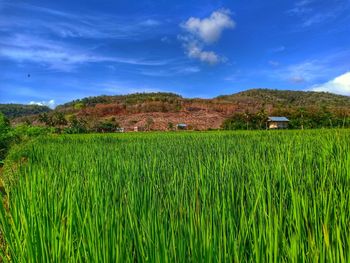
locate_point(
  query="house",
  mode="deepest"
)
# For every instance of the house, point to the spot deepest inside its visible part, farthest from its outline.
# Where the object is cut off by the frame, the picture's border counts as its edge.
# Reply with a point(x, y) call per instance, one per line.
point(277, 122)
point(181, 126)
point(120, 130)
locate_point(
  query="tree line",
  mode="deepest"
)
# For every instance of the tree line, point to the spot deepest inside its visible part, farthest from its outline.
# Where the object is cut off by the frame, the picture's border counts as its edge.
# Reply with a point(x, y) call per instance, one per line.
point(18, 110)
point(299, 118)
point(73, 124)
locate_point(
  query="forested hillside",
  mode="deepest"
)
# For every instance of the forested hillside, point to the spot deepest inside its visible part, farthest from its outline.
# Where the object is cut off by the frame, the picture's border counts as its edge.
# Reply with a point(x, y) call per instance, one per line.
point(21, 110)
point(162, 111)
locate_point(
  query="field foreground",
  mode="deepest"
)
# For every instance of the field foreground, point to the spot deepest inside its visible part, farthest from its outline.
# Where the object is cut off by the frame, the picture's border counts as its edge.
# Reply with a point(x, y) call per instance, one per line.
point(180, 197)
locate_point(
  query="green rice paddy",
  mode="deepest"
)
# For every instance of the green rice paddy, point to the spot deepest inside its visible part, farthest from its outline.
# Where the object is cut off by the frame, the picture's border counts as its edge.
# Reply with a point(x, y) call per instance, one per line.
point(275, 196)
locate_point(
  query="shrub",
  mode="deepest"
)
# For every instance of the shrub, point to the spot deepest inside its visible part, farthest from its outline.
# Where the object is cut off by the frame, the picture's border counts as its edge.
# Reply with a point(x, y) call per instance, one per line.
point(76, 126)
point(106, 126)
point(6, 136)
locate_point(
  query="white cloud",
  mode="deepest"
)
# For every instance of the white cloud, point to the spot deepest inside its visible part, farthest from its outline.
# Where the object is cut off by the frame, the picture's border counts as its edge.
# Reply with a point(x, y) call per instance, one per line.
point(50, 103)
point(206, 31)
point(339, 85)
point(210, 29)
point(210, 57)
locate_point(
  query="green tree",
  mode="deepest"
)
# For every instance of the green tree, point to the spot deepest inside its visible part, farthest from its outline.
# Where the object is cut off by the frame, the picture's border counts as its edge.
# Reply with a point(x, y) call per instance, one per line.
point(76, 125)
point(106, 126)
point(44, 118)
point(58, 119)
point(6, 136)
point(237, 121)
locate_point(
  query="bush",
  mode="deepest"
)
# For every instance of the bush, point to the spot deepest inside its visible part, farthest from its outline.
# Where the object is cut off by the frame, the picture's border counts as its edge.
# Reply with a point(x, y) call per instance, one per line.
point(106, 126)
point(76, 126)
point(6, 136)
point(246, 121)
point(10, 136)
point(24, 131)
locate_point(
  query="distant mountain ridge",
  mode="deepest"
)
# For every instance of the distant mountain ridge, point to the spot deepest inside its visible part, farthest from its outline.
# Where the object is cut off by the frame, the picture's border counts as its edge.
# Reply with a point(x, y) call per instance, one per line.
point(159, 111)
point(21, 110)
point(289, 97)
point(260, 96)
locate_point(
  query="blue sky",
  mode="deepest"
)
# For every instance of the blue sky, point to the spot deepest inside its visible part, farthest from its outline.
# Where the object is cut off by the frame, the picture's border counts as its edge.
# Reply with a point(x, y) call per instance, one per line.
point(54, 51)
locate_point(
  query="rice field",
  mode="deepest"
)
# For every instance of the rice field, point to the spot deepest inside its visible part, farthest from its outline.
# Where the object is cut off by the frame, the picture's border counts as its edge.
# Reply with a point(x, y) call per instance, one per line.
point(276, 196)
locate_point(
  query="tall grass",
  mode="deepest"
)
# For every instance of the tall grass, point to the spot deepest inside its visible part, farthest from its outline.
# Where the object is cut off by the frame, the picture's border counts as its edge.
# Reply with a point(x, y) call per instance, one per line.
point(182, 197)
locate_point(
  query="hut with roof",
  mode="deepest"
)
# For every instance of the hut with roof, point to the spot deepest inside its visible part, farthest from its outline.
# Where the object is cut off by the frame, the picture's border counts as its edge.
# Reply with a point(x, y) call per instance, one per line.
point(277, 122)
point(181, 126)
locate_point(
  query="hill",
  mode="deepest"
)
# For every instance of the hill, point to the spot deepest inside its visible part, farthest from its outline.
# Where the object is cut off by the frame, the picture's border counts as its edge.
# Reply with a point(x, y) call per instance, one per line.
point(128, 99)
point(162, 111)
point(288, 98)
point(20, 110)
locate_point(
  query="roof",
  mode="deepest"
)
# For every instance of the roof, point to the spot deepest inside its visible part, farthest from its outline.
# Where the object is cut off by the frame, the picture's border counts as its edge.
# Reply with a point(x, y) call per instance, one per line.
point(272, 118)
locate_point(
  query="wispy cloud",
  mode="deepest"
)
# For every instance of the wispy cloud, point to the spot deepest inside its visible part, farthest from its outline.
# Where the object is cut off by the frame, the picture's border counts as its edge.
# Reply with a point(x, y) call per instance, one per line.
point(310, 13)
point(70, 25)
point(277, 49)
point(206, 31)
point(47, 37)
point(59, 56)
point(235, 76)
point(172, 71)
point(150, 22)
point(274, 63)
point(308, 71)
point(40, 9)
point(301, 7)
point(166, 40)
point(338, 85)
point(304, 72)
point(319, 18)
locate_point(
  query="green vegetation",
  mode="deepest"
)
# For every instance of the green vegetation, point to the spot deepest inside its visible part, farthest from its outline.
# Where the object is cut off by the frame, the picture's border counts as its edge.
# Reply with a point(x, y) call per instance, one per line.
point(244, 110)
point(305, 110)
point(129, 99)
point(180, 197)
point(6, 136)
point(72, 124)
point(288, 98)
point(106, 126)
point(21, 133)
point(19, 110)
point(246, 121)
point(300, 118)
